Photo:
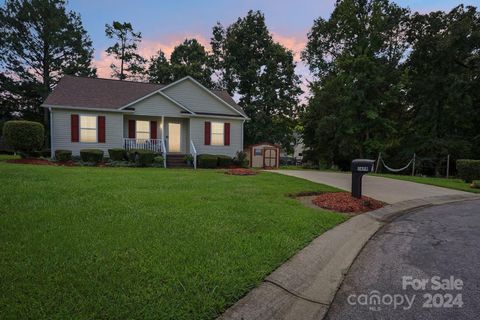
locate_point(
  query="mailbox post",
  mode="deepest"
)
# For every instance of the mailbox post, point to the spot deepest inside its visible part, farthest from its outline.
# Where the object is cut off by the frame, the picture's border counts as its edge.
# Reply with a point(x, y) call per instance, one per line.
point(359, 168)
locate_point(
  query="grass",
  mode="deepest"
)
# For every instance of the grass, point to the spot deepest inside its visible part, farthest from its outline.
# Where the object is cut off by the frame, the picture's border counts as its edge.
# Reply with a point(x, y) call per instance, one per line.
point(117, 243)
point(456, 184)
point(5, 157)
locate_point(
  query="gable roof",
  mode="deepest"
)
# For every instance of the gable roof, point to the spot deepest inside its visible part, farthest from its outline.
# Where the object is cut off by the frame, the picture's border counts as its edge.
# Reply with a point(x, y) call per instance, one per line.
point(100, 93)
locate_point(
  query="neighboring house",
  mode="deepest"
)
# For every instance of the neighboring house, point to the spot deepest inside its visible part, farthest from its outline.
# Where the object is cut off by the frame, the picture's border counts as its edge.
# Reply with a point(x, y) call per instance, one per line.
point(181, 118)
point(298, 150)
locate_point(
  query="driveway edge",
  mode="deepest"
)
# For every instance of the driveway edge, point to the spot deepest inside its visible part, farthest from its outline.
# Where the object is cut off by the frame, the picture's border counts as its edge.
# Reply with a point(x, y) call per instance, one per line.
point(305, 285)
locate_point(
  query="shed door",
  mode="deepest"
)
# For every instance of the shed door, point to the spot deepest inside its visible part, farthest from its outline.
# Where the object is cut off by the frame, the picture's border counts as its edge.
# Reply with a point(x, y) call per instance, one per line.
point(270, 158)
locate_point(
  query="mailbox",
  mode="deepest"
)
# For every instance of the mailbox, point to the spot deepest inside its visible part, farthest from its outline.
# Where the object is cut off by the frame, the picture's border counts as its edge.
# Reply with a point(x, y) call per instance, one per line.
point(359, 168)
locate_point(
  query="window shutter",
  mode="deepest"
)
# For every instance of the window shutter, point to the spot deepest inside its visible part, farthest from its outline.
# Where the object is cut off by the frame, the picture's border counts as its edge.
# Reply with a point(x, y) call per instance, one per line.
point(101, 129)
point(226, 134)
point(153, 129)
point(74, 127)
point(208, 127)
point(131, 129)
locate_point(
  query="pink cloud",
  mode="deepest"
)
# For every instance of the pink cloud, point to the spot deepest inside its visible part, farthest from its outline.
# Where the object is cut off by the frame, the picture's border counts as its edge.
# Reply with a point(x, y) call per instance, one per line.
point(294, 43)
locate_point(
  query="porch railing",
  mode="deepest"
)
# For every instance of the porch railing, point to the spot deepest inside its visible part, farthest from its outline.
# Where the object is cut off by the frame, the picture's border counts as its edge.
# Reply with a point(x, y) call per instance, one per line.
point(194, 154)
point(156, 145)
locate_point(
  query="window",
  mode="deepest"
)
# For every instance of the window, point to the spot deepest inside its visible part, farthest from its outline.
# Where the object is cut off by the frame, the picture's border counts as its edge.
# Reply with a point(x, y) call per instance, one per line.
point(88, 129)
point(217, 133)
point(257, 152)
point(143, 130)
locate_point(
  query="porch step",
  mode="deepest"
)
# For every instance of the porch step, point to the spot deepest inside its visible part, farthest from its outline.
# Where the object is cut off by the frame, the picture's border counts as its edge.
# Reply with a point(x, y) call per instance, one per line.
point(176, 160)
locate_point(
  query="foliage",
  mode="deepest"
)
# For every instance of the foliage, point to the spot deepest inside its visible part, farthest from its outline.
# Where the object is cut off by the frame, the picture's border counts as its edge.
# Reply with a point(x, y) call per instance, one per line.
point(91, 155)
point(63, 155)
point(23, 136)
point(443, 87)
point(262, 73)
point(190, 59)
point(188, 158)
point(475, 184)
point(468, 170)
point(131, 64)
point(159, 161)
point(240, 159)
point(141, 157)
point(357, 96)
point(209, 161)
point(159, 70)
point(117, 154)
point(224, 161)
point(39, 42)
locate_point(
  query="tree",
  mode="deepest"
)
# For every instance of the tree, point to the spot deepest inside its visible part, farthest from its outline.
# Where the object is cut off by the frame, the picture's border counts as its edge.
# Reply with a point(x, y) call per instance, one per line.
point(262, 72)
point(191, 59)
point(131, 64)
point(444, 85)
point(39, 42)
point(358, 93)
point(159, 70)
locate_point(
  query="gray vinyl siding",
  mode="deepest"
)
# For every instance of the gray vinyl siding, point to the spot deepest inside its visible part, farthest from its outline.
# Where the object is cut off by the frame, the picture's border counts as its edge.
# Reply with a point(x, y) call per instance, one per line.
point(197, 99)
point(157, 105)
point(197, 127)
point(61, 131)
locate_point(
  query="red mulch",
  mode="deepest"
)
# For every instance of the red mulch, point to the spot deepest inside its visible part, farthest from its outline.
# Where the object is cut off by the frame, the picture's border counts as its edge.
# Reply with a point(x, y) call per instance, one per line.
point(240, 172)
point(344, 202)
point(41, 162)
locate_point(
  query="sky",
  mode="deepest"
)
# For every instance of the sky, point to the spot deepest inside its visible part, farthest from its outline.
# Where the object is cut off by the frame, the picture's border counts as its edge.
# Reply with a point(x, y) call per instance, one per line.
point(164, 24)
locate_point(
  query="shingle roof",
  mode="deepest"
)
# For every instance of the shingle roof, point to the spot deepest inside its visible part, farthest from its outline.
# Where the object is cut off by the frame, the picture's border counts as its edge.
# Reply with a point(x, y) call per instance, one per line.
point(98, 93)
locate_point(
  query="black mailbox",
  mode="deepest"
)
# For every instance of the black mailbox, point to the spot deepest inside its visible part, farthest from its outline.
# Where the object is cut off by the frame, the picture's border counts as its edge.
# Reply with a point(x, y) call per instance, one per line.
point(359, 168)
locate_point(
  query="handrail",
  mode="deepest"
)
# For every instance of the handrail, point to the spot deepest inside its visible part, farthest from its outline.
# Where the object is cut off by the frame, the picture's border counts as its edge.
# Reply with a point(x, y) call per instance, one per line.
point(194, 154)
point(164, 153)
point(146, 144)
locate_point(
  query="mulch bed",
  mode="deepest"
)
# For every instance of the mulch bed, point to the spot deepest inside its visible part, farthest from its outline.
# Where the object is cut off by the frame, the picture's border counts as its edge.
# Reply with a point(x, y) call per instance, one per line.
point(241, 172)
point(344, 202)
point(42, 162)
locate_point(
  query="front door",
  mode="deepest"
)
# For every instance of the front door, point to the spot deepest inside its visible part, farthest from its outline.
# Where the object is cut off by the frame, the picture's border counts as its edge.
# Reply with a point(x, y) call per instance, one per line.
point(270, 158)
point(174, 136)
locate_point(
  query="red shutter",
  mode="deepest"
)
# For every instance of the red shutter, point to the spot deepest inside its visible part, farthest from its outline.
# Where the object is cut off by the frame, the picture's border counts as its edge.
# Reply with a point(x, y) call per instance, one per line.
point(226, 134)
point(208, 126)
point(74, 127)
point(101, 129)
point(131, 129)
point(153, 129)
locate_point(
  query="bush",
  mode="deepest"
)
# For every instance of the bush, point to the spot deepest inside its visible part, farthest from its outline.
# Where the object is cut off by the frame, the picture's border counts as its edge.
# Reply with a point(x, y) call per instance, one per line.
point(468, 170)
point(46, 153)
point(63, 155)
point(475, 184)
point(141, 158)
point(91, 155)
point(117, 154)
point(224, 161)
point(240, 159)
point(158, 161)
point(207, 161)
point(23, 136)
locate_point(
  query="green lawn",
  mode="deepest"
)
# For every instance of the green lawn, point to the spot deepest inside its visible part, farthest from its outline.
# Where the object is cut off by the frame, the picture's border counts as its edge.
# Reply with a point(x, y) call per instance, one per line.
point(5, 157)
point(456, 184)
point(118, 243)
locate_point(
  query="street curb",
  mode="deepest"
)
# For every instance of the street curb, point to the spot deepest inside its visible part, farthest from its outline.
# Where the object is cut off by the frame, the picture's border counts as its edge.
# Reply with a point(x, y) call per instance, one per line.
point(305, 285)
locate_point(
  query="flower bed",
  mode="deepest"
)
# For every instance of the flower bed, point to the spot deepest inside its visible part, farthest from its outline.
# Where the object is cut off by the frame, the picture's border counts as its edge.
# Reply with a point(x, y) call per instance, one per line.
point(240, 172)
point(41, 162)
point(344, 202)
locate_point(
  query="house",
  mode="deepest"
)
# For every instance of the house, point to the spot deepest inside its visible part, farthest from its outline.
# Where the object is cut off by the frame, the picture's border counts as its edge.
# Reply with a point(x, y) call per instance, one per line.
point(177, 119)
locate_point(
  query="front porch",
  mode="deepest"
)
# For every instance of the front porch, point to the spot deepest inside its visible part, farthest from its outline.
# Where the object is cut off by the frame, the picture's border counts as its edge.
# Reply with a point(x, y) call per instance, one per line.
point(167, 136)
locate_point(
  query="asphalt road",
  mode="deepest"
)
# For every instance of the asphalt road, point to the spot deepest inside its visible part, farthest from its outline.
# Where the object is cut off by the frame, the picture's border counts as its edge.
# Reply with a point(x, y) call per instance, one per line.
point(383, 189)
point(441, 241)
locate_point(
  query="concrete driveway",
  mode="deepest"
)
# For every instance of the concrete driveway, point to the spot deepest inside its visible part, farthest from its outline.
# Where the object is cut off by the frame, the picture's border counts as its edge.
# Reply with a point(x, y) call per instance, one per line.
point(383, 189)
point(440, 241)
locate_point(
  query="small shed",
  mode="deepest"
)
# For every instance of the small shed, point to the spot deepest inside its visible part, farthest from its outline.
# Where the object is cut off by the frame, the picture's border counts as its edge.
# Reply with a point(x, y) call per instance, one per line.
point(263, 155)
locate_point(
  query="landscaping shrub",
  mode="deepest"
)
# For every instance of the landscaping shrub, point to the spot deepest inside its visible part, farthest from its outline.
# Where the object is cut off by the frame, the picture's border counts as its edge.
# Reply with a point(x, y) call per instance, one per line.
point(23, 136)
point(468, 170)
point(117, 154)
point(240, 159)
point(63, 155)
point(46, 153)
point(224, 161)
point(158, 161)
point(207, 161)
point(141, 158)
point(91, 155)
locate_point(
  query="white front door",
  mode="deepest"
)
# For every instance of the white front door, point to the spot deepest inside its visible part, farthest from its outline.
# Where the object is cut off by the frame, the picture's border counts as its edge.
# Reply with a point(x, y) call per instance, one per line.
point(174, 133)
